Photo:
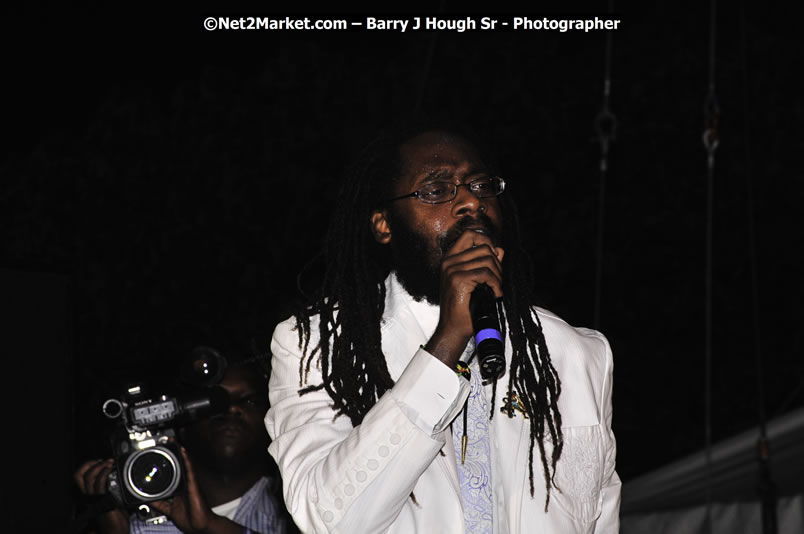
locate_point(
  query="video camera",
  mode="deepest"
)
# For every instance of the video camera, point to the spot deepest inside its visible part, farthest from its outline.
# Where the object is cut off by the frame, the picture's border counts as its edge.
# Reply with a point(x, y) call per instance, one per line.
point(147, 458)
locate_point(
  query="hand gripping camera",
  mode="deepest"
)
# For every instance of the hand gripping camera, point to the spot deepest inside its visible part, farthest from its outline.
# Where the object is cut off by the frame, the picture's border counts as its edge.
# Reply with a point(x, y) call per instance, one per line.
point(148, 461)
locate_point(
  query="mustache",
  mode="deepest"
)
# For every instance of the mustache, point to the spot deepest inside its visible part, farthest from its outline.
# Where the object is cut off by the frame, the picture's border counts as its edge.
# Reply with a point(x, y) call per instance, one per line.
point(481, 221)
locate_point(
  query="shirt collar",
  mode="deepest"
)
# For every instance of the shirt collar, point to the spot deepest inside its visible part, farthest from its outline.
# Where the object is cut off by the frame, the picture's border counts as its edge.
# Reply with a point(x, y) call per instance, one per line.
point(425, 314)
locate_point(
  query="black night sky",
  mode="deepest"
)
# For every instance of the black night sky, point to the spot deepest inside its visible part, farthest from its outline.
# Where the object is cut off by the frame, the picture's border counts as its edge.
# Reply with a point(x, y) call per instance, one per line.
point(171, 182)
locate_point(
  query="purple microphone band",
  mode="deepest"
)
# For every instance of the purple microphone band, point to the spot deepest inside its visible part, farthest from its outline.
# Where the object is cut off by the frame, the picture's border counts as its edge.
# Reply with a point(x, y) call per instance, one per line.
point(486, 334)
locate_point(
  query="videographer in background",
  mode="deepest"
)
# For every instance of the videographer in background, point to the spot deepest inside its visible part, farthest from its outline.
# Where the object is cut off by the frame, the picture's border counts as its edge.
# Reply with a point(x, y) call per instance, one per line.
point(227, 486)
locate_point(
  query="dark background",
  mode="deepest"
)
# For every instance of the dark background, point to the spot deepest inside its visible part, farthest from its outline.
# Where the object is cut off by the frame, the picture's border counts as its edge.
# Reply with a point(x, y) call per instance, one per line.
point(161, 186)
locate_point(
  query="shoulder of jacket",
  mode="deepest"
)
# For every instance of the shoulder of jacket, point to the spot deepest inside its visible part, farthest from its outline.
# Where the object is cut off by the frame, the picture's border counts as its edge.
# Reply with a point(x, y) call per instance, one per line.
point(287, 334)
point(552, 323)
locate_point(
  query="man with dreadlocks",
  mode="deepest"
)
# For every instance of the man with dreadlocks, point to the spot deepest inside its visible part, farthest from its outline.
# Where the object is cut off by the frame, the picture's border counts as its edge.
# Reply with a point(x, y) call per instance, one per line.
point(380, 421)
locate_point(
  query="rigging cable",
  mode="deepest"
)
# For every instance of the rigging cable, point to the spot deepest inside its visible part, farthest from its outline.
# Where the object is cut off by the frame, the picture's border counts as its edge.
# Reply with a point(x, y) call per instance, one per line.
point(606, 128)
point(766, 488)
point(710, 141)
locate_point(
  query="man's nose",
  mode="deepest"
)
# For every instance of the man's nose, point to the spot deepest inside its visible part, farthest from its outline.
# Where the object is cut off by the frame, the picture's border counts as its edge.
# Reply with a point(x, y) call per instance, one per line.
point(236, 408)
point(466, 202)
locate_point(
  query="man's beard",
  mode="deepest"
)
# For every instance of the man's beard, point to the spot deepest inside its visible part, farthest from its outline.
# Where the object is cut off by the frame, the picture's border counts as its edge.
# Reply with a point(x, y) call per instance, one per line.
point(417, 261)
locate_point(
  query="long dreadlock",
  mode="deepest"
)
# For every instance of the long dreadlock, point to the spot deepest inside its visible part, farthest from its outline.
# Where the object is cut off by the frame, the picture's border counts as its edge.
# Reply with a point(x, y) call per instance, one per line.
point(351, 300)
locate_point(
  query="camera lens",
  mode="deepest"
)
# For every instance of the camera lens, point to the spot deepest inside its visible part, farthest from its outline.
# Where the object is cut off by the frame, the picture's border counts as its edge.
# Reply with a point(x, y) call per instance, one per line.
point(112, 408)
point(205, 367)
point(152, 473)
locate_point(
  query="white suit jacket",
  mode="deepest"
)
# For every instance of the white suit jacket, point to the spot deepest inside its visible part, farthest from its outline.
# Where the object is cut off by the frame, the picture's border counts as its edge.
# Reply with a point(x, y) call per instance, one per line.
point(339, 478)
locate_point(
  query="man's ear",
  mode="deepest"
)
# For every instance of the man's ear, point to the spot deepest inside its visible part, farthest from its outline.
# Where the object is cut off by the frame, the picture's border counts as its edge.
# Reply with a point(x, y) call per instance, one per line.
point(380, 227)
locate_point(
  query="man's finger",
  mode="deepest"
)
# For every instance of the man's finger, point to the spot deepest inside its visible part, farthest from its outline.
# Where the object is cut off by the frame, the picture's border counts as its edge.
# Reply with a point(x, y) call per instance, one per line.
point(189, 465)
point(470, 239)
point(481, 274)
point(81, 472)
point(485, 261)
point(89, 476)
point(163, 506)
point(100, 474)
point(480, 252)
point(471, 261)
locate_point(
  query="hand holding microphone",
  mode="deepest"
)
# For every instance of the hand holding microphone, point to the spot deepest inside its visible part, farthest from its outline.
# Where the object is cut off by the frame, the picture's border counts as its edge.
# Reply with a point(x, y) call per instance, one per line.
point(473, 263)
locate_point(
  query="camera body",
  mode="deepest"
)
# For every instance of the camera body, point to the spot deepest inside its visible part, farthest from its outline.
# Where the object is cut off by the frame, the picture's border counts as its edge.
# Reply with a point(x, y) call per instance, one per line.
point(147, 458)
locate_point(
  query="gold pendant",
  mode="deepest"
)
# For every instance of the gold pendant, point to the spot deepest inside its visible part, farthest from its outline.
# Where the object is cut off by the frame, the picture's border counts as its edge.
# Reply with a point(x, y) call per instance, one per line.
point(514, 403)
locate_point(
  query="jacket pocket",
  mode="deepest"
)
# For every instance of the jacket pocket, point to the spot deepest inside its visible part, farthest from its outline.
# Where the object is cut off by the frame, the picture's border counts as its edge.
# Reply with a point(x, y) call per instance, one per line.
point(579, 473)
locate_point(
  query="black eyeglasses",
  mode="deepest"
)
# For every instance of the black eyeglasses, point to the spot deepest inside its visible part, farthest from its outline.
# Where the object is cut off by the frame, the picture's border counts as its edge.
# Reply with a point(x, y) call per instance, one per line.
point(438, 192)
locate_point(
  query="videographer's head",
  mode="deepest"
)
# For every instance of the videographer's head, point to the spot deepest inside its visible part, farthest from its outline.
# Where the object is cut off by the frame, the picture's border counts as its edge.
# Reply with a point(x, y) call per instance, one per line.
point(236, 439)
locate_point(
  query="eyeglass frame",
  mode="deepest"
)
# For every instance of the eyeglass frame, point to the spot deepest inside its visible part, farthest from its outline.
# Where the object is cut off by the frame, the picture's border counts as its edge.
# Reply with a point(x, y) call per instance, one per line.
point(417, 193)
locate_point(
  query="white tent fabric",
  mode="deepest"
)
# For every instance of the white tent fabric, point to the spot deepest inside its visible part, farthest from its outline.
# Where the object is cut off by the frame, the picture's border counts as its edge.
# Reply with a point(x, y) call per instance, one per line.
point(672, 499)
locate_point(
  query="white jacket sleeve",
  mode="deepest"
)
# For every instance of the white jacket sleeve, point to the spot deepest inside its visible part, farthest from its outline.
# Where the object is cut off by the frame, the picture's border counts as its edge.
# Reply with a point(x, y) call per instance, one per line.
point(339, 478)
point(609, 520)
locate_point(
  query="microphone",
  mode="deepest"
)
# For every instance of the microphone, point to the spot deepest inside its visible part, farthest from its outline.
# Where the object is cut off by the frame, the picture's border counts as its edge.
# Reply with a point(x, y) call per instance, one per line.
point(488, 339)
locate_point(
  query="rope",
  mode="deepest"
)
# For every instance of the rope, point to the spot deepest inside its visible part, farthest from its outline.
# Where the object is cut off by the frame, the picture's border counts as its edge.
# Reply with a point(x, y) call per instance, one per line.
point(711, 142)
point(606, 128)
point(766, 489)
